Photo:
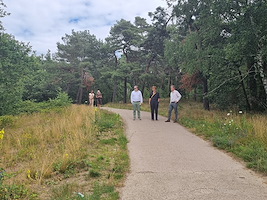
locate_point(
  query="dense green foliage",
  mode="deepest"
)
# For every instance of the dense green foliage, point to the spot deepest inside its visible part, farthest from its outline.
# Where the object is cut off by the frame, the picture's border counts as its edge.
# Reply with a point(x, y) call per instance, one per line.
point(214, 50)
point(223, 43)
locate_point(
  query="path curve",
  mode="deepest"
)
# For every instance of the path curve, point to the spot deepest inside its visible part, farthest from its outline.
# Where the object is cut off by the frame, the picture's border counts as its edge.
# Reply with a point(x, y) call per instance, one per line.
point(170, 163)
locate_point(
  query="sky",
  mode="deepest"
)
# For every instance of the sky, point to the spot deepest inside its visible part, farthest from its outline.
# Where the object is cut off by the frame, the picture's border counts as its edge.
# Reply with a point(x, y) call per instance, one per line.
point(43, 23)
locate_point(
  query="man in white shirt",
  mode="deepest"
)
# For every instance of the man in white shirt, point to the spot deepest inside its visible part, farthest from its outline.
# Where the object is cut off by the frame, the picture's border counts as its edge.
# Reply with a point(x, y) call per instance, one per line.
point(174, 99)
point(136, 100)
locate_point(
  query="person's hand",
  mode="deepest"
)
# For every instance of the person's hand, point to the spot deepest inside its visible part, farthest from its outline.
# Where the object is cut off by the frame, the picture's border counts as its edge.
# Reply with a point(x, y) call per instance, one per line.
point(140, 104)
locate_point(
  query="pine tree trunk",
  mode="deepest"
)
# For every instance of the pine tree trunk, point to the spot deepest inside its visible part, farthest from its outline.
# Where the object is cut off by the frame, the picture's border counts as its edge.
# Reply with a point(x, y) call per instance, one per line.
point(195, 94)
point(244, 90)
point(261, 67)
point(206, 103)
point(125, 90)
point(115, 88)
point(253, 85)
point(80, 90)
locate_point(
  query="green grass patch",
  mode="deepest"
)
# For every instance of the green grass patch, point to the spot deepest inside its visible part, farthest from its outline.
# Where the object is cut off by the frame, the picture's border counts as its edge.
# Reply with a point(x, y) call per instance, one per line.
point(10, 192)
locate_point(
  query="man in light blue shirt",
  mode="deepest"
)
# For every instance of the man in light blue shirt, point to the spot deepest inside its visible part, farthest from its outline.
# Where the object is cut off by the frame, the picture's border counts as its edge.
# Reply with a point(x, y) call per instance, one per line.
point(136, 100)
point(174, 99)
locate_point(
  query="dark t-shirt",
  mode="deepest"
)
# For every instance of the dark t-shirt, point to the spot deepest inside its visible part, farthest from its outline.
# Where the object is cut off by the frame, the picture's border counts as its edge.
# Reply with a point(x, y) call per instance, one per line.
point(155, 98)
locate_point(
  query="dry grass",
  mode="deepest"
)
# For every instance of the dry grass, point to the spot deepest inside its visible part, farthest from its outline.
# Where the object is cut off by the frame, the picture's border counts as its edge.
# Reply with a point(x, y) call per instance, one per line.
point(46, 150)
point(36, 142)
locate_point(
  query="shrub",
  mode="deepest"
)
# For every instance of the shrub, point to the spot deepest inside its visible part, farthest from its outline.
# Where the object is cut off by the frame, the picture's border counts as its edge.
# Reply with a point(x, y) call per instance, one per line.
point(29, 106)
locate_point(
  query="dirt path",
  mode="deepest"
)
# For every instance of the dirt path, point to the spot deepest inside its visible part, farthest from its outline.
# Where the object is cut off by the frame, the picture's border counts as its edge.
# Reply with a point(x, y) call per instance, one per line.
point(168, 162)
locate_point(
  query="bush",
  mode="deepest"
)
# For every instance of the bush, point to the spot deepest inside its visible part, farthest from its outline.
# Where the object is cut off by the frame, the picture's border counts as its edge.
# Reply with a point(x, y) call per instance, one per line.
point(62, 100)
point(29, 106)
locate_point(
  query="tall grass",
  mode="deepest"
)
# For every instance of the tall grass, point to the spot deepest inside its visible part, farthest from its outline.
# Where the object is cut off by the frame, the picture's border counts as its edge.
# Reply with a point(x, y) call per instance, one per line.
point(42, 150)
point(241, 133)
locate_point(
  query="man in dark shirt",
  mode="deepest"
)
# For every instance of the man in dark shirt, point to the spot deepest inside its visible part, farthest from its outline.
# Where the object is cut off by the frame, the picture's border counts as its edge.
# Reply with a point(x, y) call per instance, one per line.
point(154, 102)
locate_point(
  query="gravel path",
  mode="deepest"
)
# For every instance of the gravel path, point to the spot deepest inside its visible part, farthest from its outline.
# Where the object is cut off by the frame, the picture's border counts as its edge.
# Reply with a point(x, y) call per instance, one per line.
point(169, 162)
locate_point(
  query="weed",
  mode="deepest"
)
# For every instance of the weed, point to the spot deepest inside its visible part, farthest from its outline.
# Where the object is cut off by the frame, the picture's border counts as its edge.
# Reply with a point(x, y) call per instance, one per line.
point(9, 192)
point(94, 173)
point(104, 192)
point(67, 192)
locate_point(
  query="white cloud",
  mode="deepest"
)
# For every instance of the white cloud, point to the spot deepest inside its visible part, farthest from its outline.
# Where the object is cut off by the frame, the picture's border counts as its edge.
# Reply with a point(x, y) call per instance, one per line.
point(43, 22)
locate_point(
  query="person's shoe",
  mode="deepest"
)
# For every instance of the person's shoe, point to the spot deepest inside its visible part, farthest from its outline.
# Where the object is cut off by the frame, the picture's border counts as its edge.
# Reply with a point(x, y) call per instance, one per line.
point(134, 119)
point(167, 121)
point(139, 118)
point(175, 121)
point(157, 120)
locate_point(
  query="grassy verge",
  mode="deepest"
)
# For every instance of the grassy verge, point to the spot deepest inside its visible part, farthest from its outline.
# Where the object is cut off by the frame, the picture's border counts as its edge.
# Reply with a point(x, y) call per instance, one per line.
point(72, 153)
point(243, 134)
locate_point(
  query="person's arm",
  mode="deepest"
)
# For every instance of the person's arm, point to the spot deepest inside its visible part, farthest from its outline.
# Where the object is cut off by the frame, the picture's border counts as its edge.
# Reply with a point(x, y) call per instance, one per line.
point(149, 101)
point(141, 98)
point(132, 98)
point(179, 96)
point(159, 97)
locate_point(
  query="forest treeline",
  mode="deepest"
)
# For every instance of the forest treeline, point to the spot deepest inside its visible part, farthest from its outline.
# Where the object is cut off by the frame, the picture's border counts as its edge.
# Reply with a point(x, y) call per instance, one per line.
point(214, 51)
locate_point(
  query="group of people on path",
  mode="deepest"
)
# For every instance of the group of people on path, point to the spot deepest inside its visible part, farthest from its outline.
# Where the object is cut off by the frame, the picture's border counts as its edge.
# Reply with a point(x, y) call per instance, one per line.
point(98, 97)
point(154, 99)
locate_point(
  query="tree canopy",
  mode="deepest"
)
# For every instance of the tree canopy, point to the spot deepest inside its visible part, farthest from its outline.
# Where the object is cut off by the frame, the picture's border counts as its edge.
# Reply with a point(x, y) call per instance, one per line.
point(214, 51)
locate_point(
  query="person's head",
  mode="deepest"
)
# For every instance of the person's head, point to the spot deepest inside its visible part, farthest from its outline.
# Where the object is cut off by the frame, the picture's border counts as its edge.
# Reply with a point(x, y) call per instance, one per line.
point(172, 88)
point(154, 88)
point(136, 88)
point(98, 91)
point(92, 91)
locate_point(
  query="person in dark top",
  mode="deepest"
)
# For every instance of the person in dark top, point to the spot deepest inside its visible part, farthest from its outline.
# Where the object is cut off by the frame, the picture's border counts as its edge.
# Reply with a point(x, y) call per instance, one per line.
point(154, 102)
point(99, 98)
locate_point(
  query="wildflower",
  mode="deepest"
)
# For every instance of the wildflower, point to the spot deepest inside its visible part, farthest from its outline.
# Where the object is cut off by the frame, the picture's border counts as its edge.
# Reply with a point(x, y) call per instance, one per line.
point(228, 114)
point(240, 112)
point(2, 132)
point(29, 174)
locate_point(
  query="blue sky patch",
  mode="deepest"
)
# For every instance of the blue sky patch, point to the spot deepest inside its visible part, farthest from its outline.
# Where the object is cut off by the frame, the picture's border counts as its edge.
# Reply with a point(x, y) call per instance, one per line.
point(74, 20)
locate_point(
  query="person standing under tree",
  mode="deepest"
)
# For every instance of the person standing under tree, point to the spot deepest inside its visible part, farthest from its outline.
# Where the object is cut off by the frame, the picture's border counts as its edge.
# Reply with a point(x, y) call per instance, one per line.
point(91, 98)
point(154, 102)
point(99, 98)
point(174, 99)
point(136, 100)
